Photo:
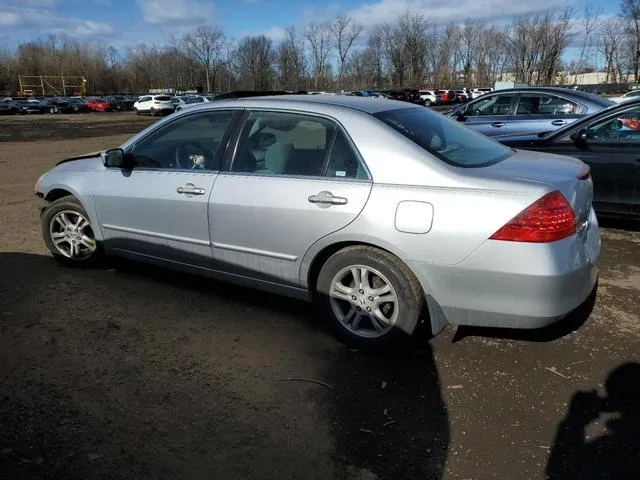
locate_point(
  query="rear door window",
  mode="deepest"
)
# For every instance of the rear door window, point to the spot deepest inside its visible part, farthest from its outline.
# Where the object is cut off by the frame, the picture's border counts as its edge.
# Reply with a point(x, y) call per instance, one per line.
point(543, 104)
point(493, 105)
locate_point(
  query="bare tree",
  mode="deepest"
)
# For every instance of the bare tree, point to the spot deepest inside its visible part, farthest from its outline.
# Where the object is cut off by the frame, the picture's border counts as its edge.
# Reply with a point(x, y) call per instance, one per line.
point(344, 31)
point(589, 26)
point(290, 61)
point(204, 45)
point(610, 45)
point(254, 57)
point(319, 38)
point(630, 11)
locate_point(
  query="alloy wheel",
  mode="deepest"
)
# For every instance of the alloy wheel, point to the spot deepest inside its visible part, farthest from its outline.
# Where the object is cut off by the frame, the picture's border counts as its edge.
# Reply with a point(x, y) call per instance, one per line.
point(364, 301)
point(72, 235)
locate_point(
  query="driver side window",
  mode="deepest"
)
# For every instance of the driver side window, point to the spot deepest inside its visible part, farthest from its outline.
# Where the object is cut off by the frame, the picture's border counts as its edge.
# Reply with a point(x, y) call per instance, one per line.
point(622, 127)
point(190, 142)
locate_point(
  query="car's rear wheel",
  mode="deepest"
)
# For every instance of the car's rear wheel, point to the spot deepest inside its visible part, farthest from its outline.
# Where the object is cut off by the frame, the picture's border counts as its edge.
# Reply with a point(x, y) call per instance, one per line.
point(152, 112)
point(370, 298)
point(68, 233)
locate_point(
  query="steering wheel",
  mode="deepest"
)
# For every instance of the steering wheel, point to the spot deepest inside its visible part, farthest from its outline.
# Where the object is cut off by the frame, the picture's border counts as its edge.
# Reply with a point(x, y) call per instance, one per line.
point(183, 152)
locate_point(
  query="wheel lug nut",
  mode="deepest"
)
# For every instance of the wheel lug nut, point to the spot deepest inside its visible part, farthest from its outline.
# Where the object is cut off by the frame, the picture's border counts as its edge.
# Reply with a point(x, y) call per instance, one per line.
point(361, 292)
point(368, 309)
point(358, 309)
point(354, 297)
point(371, 299)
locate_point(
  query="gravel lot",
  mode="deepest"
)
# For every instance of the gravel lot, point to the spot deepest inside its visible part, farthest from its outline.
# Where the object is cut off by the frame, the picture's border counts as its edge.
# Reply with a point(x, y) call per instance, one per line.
point(134, 372)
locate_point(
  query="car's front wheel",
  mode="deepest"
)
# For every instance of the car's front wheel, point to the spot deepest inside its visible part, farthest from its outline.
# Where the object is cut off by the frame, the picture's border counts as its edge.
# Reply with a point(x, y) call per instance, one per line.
point(137, 111)
point(371, 298)
point(68, 233)
point(152, 112)
point(427, 103)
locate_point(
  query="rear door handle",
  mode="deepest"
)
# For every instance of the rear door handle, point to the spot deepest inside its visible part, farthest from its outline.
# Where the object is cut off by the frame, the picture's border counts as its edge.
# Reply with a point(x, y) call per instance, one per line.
point(497, 124)
point(325, 198)
point(558, 123)
point(190, 189)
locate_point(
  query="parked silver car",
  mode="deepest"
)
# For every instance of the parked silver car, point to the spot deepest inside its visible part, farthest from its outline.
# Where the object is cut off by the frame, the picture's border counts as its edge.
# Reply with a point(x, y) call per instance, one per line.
point(527, 110)
point(385, 213)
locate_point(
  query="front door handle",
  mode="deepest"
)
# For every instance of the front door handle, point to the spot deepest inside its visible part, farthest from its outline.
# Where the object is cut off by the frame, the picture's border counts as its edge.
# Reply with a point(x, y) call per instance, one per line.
point(497, 124)
point(325, 199)
point(558, 123)
point(190, 189)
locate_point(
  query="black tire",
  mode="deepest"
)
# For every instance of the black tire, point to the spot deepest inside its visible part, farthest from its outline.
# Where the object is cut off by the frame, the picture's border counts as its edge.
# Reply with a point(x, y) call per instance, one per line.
point(152, 112)
point(427, 103)
point(137, 111)
point(410, 298)
point(68, 204)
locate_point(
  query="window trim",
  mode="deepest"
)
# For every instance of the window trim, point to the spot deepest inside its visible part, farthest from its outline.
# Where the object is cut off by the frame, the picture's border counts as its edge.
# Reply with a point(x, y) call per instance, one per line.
point(223, 146)
point(231, 152)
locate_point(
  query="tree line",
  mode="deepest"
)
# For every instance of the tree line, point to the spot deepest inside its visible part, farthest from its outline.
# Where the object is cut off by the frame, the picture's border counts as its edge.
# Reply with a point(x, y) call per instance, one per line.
point(409, 51)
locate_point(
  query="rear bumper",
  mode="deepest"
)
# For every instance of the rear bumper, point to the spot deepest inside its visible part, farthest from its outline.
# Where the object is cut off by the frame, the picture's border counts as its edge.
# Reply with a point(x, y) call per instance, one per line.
point(513, 285)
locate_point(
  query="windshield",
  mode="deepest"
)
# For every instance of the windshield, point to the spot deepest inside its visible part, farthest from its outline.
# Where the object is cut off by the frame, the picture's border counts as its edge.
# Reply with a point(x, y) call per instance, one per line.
point(446, 139)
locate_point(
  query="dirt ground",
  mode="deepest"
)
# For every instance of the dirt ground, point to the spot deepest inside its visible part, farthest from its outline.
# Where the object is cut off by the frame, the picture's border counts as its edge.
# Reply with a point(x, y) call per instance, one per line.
point(133, 372)
point(70, 125)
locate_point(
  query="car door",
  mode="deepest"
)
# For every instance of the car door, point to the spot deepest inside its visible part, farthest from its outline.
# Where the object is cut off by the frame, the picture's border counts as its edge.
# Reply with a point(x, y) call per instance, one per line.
point(610, 145)
point(543, 112)
point(266, 214)
point(159, 207)
point(490, 115)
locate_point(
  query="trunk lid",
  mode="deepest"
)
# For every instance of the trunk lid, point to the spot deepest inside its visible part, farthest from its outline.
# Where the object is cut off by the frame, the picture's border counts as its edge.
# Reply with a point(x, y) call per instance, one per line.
point(566, 174)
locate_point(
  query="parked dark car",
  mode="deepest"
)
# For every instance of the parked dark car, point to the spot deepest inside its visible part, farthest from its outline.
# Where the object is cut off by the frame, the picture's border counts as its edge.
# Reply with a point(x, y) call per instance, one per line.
point(8, 107)
point(523, 110)
point(609, 142)
point(78, 105)
point(120, 103)
point(411, 95)
point(58, 105)
point(31, 106)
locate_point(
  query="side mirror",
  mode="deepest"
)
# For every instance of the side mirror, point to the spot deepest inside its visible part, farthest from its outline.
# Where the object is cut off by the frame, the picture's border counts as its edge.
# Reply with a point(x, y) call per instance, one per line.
point(115, 158)
point(460, 116)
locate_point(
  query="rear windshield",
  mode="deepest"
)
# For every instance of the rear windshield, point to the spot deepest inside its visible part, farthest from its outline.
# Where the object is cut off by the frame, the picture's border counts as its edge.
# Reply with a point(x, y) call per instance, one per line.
point(163, 98)
point(445, 138)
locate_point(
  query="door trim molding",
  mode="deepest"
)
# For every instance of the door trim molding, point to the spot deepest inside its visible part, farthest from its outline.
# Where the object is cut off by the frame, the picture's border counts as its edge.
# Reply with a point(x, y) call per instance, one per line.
point(255, 251)
point(165, 236)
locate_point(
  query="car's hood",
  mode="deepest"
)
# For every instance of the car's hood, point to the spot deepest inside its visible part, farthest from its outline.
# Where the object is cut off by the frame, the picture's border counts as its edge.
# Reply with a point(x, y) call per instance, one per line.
point(88, 162)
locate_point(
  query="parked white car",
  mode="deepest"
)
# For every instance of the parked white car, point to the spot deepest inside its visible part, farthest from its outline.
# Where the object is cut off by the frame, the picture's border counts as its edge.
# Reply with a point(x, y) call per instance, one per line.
point(632, 95)
point(153, 105)
point(478, 92)
point(429, 97)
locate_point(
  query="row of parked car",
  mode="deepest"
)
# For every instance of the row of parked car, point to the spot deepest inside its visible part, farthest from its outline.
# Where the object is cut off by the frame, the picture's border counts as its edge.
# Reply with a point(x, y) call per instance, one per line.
point(16, 105)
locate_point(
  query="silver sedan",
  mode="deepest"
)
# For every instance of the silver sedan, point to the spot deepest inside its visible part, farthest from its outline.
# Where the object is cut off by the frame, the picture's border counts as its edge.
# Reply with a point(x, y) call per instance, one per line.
point(384, 213)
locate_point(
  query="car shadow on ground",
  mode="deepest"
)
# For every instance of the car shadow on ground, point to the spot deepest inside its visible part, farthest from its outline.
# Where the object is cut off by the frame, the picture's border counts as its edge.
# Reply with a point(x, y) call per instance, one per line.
point(570, 323)
point(384, 413)
point(619, 224)
point(612, 453)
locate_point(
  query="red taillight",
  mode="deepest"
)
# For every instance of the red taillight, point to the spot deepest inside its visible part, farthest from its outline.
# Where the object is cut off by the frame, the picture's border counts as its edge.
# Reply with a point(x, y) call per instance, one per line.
point(549, 219)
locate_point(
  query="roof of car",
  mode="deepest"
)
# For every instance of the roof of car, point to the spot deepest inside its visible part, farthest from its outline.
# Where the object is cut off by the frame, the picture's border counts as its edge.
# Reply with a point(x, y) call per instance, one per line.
point(365, 104)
